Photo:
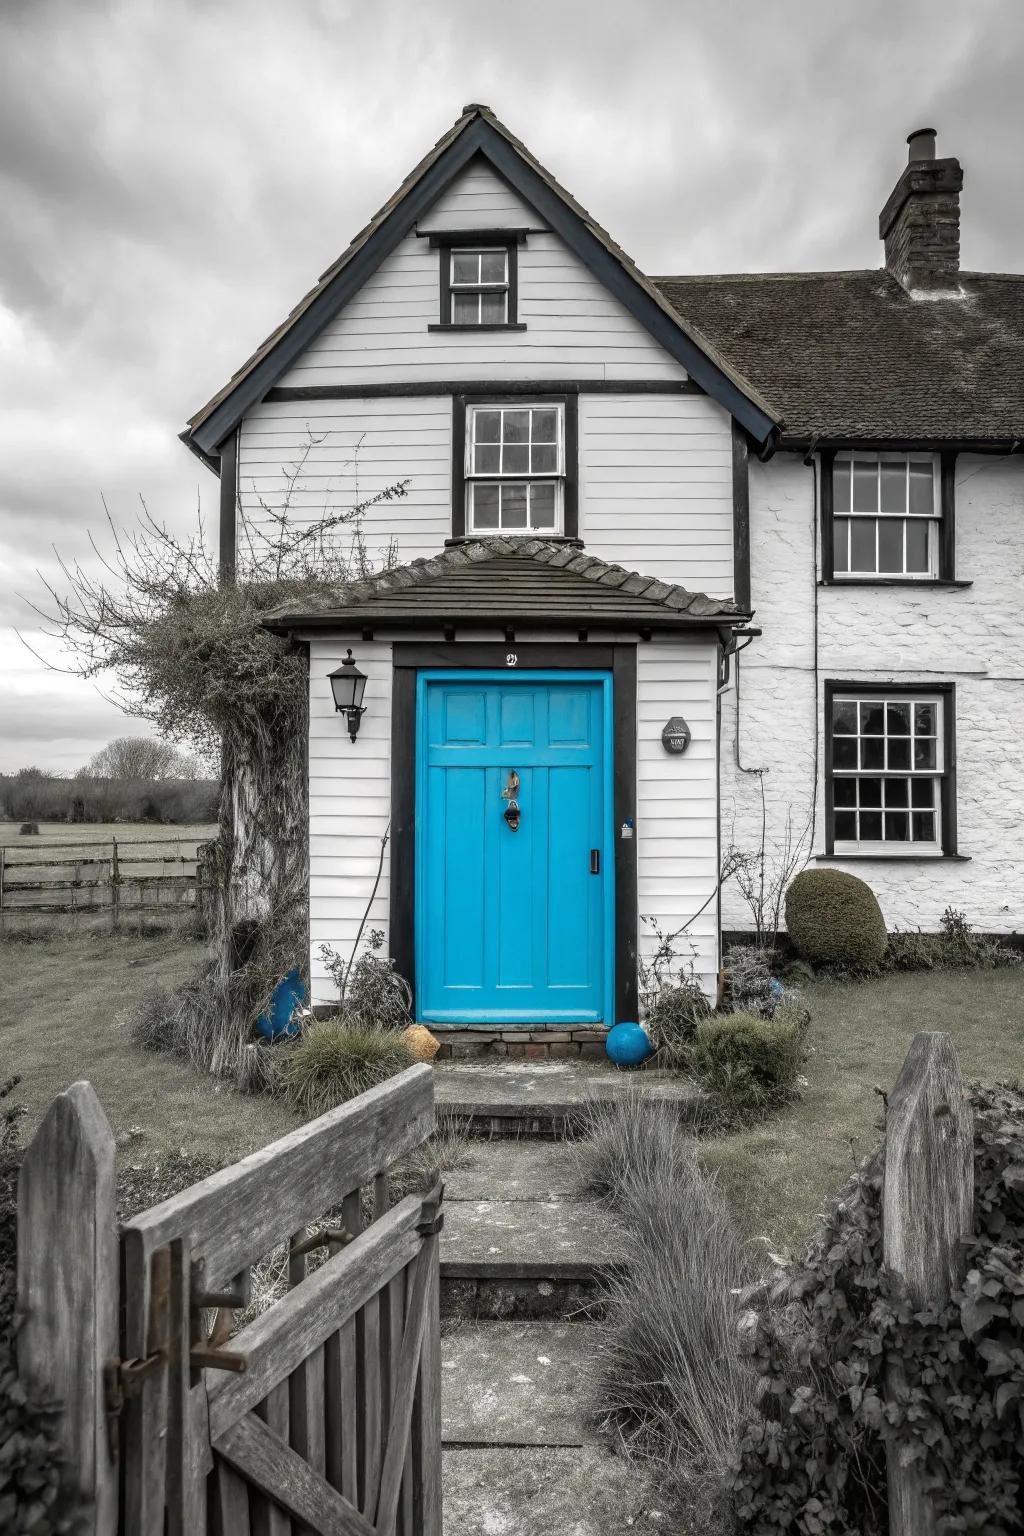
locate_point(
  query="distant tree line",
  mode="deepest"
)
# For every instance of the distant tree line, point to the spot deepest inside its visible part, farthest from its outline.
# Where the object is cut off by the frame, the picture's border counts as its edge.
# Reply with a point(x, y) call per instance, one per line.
point(131, 779)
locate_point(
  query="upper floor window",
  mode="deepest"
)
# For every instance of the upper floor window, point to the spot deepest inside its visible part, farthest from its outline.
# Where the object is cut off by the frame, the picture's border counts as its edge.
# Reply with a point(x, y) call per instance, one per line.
point(889, 763)
point(479, 282)
point(887, 517)
point(886, 512)
point(515, 468)
point(514, 465)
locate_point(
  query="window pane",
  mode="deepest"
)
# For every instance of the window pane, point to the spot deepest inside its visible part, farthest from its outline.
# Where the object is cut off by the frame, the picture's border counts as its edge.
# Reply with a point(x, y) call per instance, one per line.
point(897, 794)
point(871, 826)
point(492, 308)
point(924, 752)
point(870, 792)
point(872, 718)
point(917, 546)
point(485, 506)
point(894, 487)
point(841, 486)
point(897, 827)
point(841, 545)
point(545, 426)
point(844, 717)
point(485, 458)
point(492, 266)
point(543, 458)
point(465, 309)
point(872, 752)
point(487, 426)
point(922, 792)
point(865, 487)
point(465, 267)
point(923, 826)
point(515, 458)
point(542, 505)
point(899, 754)
point(890, 545)
point(516, 426)
point(924, 719)
point(846, 826)
point(862, 544)
point(922, 488)
point(897, 719)
point(845, 792)
point(513, 506)
point(844, 752)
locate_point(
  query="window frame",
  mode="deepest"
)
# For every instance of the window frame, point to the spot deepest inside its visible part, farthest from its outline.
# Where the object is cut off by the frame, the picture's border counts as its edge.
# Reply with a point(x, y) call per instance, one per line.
point(946, 846)
point(462, 405)
point(477, 240)
point(942, 571)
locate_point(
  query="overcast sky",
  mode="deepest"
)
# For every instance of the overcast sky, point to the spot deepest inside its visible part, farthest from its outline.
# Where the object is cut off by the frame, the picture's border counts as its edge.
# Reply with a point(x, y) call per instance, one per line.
point(174, 175)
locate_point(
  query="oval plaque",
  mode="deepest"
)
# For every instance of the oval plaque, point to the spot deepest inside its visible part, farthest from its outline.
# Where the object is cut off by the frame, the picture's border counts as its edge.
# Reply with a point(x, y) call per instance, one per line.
point(676, 735)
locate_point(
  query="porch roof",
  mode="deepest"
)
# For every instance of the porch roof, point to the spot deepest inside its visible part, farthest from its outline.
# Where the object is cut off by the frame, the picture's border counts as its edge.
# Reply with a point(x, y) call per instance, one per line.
point(502, 581)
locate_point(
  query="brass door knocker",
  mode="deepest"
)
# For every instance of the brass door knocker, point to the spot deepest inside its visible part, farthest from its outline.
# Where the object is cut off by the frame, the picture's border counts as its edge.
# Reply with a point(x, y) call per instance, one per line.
point(512, 813)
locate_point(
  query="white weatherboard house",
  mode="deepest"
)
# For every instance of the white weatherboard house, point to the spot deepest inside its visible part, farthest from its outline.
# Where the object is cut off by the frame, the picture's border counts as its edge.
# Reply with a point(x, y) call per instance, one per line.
point(609, 476)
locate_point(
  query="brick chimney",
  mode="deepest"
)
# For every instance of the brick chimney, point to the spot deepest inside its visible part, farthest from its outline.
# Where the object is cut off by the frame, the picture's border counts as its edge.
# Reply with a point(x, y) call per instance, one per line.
point(920, 223)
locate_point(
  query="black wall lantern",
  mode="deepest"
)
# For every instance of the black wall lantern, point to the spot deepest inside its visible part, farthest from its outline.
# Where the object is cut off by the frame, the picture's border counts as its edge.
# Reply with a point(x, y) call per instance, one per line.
point(676, 735)
point(348, 685)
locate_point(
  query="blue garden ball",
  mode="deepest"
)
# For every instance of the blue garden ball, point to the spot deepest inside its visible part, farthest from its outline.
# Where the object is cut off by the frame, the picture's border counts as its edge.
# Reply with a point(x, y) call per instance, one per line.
point(628, 1045)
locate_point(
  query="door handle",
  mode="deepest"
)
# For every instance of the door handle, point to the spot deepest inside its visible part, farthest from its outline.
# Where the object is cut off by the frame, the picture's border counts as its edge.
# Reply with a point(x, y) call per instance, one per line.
point(595, 861)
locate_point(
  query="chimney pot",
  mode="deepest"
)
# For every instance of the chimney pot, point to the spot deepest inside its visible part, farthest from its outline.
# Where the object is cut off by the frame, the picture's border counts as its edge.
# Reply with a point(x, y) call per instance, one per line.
point(922, 145)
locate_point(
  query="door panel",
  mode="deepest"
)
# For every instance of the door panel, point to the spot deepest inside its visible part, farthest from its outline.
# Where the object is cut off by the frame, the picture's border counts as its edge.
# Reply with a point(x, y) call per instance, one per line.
point(512, 925)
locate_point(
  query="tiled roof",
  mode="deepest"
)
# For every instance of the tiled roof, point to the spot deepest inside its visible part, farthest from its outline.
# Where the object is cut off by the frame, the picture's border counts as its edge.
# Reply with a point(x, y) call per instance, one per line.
point(494, 582)
point(850, 355)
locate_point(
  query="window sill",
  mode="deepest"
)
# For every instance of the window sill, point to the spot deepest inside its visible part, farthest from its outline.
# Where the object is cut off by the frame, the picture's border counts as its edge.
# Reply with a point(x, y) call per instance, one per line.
point(891, 581)
point(504, 326)
point(893, 858)
point(514, 533)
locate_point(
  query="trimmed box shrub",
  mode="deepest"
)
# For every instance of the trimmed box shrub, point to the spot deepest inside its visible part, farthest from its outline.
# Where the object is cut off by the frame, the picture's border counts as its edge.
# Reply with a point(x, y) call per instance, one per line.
point(834, 920)
point(747, 1060)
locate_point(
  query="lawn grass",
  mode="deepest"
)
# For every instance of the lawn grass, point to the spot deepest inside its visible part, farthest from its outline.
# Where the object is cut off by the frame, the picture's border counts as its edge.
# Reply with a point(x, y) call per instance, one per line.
point(62, 1018)
point(81, 834)
point(780, 1174)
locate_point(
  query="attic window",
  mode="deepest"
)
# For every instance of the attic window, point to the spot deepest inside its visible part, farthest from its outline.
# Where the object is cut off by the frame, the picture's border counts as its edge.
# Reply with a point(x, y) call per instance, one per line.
point(478, 284)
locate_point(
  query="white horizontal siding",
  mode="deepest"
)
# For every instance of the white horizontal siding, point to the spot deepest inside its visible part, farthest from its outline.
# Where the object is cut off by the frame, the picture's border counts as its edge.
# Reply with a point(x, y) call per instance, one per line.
point(656, 486)
point(359, 448)
point(677, 801)
point(349, 806)
point(575, 329)
point(479, 199)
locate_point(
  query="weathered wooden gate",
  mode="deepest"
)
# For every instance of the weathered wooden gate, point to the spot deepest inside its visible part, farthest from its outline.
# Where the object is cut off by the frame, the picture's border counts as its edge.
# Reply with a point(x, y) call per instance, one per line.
point(323, 1413)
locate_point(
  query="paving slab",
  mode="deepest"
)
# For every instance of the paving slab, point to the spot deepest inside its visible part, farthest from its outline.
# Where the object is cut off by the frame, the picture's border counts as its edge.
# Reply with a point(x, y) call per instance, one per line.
point(517, 1384)
point(525, 1239)
point(513, 1169)
point(568, 1491)
point(548, 1098)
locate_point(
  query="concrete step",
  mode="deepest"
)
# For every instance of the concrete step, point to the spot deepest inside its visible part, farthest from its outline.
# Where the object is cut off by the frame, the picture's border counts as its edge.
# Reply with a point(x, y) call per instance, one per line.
point(548, 1099)
point(517, 1384)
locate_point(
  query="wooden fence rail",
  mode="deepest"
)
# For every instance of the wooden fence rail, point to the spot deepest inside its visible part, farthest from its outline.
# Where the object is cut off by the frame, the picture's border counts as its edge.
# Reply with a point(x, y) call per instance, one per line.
point(81, 879)
point(322, 1413)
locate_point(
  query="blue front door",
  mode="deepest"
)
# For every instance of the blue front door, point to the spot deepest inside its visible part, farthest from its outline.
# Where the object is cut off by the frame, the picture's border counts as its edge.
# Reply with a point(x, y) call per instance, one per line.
point(513, 847)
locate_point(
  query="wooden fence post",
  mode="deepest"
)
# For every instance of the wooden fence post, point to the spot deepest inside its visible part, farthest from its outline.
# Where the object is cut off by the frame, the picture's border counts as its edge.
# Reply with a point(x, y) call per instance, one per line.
point(68, 1287)
point(115, 883)
point(928, 1211)
point(3, 853)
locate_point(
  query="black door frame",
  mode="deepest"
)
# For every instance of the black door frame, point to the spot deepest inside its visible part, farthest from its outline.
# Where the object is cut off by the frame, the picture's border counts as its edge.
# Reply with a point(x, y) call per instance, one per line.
point(408, 658)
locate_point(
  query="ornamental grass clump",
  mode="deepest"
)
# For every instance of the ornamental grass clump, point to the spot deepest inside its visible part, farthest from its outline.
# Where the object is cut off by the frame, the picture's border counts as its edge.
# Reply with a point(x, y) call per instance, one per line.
point(333, 1061)
point(670, 1378)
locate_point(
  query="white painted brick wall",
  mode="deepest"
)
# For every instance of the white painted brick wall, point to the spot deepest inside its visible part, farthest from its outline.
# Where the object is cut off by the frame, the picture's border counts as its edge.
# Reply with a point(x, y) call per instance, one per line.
point(973, 637)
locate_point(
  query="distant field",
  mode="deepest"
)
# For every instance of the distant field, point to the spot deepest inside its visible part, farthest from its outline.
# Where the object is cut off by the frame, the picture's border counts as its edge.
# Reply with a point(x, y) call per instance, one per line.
point(84, 833)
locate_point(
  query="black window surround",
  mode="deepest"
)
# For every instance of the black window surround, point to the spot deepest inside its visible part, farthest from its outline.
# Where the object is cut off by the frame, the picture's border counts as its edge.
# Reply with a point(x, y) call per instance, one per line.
point(944, 574)
point(869, 849)
point(569, 406)
point(507, 241)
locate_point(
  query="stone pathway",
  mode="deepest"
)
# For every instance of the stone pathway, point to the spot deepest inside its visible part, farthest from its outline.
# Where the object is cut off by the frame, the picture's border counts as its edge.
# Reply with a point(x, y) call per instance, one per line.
point(522, 1261)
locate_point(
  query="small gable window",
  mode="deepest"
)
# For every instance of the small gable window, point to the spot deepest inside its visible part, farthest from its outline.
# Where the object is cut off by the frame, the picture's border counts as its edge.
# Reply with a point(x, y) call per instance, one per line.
point(479, 282)
point(890, 770)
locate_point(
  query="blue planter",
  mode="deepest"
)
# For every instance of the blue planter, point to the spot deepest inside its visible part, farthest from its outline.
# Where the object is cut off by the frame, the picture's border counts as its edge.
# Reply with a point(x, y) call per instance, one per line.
point(628, 1045)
